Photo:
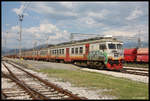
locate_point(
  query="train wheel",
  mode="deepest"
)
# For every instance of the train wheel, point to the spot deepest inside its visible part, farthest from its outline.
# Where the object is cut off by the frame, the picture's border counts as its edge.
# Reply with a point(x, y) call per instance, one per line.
point(100, 66)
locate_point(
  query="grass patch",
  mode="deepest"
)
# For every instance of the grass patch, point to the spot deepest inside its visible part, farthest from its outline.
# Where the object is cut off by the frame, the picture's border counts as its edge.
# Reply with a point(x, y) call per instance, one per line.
point(120, 87)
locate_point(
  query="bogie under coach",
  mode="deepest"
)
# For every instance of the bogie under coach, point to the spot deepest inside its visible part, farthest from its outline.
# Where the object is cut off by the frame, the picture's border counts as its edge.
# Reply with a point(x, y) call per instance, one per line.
point(99, 52)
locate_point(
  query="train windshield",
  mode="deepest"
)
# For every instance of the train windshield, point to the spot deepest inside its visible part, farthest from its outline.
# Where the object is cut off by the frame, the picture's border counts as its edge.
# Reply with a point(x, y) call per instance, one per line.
point(119, 46)
point(111, 46)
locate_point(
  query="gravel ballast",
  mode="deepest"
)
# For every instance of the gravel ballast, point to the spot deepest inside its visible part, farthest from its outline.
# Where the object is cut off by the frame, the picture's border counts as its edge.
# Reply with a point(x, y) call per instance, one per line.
point(81, 91)
point(41, 64)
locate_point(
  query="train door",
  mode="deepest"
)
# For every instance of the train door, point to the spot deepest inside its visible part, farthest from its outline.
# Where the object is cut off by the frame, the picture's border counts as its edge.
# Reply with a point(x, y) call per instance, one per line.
point(67, 55)
point(86, 50)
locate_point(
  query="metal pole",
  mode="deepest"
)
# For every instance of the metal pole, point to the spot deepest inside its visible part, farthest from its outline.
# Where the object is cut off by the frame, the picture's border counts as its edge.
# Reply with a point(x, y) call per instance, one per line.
point(47, 42)
point(139, 40)
point(20, 19)
point(5, 39)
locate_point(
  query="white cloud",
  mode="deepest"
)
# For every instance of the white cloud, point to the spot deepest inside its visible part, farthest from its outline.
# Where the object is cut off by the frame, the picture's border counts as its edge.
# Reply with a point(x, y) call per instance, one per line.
point(135, 14)
point(120, 33)
point(102, 14)
point(129, 33)
point(84, 17)
point(21, 9)
point(41, 33)
point(18, 10)
point(43, 8)
point(88, 22)
point(15, 28)
point(67, 4)
point(48, 30)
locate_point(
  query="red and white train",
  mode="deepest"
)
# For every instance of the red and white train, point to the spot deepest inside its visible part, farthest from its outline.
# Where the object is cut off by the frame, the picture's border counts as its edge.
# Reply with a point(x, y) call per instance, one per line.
point(99, 52)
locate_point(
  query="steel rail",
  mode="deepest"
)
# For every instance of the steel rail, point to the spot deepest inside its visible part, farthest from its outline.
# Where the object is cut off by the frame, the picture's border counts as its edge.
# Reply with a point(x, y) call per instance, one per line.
point(134, 72)
point(61, 90)
point(34, 94)
point(20, 84)
point(3, 95)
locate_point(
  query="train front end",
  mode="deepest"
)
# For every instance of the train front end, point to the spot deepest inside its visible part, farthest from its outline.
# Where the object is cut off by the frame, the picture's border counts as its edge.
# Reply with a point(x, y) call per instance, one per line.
point(114, 55)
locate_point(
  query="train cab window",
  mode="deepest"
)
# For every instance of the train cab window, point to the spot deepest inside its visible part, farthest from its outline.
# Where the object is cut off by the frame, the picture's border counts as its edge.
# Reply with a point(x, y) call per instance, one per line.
point(102, 46)
point(62, 51)
point(72, 50)
point(112, 46)
point(81, 50)
point(76, 50)
point(119, 46)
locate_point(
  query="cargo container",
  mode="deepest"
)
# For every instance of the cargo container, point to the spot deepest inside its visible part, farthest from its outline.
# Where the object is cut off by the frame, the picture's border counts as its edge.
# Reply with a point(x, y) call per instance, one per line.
point(142, 55)
point(130, 55)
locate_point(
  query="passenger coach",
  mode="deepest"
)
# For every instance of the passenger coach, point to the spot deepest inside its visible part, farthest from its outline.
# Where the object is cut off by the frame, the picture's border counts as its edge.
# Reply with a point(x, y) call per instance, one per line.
point(99, 52)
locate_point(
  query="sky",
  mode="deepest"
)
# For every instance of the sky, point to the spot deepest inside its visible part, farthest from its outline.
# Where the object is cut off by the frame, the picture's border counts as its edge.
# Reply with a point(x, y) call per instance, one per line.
point(53, 22)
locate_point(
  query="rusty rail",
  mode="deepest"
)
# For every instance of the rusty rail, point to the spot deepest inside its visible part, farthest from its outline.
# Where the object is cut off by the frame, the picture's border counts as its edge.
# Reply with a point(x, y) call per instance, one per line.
point(135, 72)
point(34, 94)
point(55, 87)
point(3, 95)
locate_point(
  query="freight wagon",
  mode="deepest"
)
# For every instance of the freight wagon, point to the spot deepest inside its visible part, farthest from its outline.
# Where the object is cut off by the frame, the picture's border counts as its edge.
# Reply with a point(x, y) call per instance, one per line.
point(130, 54)
point(142, 55)
point(138, 55)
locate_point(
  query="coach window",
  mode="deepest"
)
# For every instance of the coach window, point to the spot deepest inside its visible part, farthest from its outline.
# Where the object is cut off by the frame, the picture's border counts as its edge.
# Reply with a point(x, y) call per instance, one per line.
point(62, 51)
point(76, 50)
point(72, 50)
point(81, 50)
point(53, 51)
point(57, 52)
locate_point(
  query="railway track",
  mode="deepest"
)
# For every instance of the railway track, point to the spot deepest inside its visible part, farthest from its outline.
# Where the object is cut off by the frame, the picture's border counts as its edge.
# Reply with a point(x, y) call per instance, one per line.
point(30, 86)
point(128, 70)
point(136, 71)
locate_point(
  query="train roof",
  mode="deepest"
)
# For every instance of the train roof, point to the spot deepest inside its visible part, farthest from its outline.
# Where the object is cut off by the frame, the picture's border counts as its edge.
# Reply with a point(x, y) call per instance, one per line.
point(96, 39)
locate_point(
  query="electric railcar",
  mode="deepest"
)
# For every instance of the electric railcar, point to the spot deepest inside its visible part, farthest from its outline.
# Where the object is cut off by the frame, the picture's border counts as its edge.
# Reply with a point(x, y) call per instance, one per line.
point(99, 52)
